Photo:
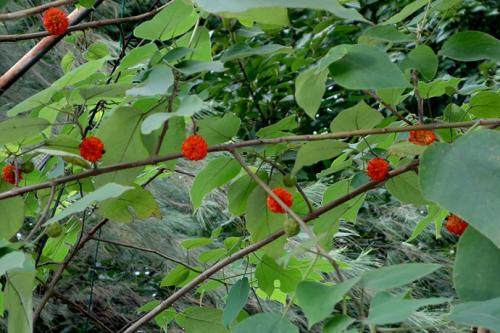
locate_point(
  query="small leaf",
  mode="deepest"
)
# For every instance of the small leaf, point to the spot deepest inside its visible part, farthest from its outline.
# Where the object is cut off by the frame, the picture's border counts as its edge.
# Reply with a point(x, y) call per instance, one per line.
point(424, 60)
point(194, 243)
point(243, 50)
point(268, 271)
point(395, 276)
point(157, 83)
point(337, 324)
point(218, 130)
point(137, 203)
point(315, 151)
point(12, 217)
point(190, 67)
point(387, 33)
point(175, 277)
point(360, 116)
point(486, 104)
point(236, 301)
point(406, 188)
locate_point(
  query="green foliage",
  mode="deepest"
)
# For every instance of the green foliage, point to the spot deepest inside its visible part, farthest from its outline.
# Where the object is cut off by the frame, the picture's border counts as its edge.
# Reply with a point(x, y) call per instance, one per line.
point(266, 323)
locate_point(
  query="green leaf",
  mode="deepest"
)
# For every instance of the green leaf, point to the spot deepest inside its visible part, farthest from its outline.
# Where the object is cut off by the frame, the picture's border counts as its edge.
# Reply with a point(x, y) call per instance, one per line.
point(386, 309)
point(67, 62)
point(270, 16)
point(286, 124)
point(387, 33)
point(189, 105)
point(236, 301)
point(438, 87)
point(79, 74)
point(217, 173)
point(424, 60)
point(407, 11)
point(238, 193)
point(218, 130)
point(174, 20)
point(120, 132)
point(235, 6)
point(175, 277)
point(19, 128)
point(315, 151)
point(482, 314)
point(367, 67)
point(134, 204)
point(268, 271)
point(435, 214)
point(243, 50)
point(317, 299)
point(11, 261)
point(190, 67)
point(38, 100)
point(12, 217)
point(459, 178)
point(395, 276)
point(406, 149)
point(157, 82)
point(337, 324)
point(406, 188)
point(201, 320)
point(471, 46)
point(476, 269)
point(105, 192)
point(194, 243)
point(96, 51)
point(138, 56)
point(360, 116)
point(199, 43)
point(212, 256)
point(486, 104)
point(265, 322)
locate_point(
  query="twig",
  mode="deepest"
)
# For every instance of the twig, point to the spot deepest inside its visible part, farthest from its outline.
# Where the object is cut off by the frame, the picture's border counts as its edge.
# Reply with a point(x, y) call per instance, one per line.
point(228, 147)
point(170, 107)
point(387, 106)
point(420, 101)
point(34, 10)
point(44, 214)
point(254, 247)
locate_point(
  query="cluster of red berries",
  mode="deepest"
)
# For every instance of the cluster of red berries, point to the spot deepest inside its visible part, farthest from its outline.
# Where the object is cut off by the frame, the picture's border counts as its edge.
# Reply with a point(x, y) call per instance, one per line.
point(9, 174)
point(195, 148)
point(377, 169)
point(422, 137)
point(284, 196)
point(92, 149)
point(55, 21)
point(455, 225)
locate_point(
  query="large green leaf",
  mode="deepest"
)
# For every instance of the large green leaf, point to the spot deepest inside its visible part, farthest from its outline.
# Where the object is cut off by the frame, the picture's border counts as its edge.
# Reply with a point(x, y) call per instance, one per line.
point(360, 116)
point(138, 56)
point(460, 177)
point(386, 309)
point(199, 43)
point(157, 83)
point(217, 173)
point(395, 276)
point(270, 16)
point(337, 324)
point(218, 130)
point(317, 299)
point(268, 271)
point(19, 128)
point(483, 314)
point(406, 188)
point(12, 216)
point(265, 322)
point(236, 301)
point(43, 98)
point(407, 11)
point(424, 60)
point(486, 104)
point(105, 192)
point(11, 261)
point(315, 151)
point(201, 320)
point(235, 6)
point(174, 20)
point(367, 67)
point(134, 204)
point(477, 268)
point(471, 46)
point(238, 193)
point(386, 33)
point(243, 50)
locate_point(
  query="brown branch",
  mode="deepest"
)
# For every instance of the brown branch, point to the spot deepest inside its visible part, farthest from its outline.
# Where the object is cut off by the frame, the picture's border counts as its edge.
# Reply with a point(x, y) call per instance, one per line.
point(34, 10)
point(83, 26)
point(82, 310)
point(387, 106)
point(228, 147)
point(254, 247)
point(39, 50)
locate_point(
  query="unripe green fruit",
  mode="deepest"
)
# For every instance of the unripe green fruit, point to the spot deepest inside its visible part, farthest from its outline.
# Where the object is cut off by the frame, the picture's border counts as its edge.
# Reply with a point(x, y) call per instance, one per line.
point(289, 181)
point(291, 227)
point(54, 230)
point(27, 167)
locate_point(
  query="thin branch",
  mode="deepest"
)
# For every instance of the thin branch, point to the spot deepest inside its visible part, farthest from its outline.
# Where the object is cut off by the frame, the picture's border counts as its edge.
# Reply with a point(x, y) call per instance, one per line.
point(83, 26)
point(158, 253)
point(228, 147)
point(387, 106)
point(420, 101)
point(254, 247)
point(41, 220)
point(170, 107)
point(83, 311)
point(34, 10)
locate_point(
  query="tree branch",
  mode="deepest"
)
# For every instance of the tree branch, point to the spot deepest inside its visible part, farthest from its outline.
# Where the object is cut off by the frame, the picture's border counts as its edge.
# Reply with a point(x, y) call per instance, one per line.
point(228, 147)
point(387, 106)
point(254, 247)
point(34, 10)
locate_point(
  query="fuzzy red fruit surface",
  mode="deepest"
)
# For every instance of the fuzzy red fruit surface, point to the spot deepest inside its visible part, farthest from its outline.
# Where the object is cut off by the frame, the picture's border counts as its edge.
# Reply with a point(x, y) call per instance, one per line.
point(284, 195)
point(9, 174)
point(377, 169)
point(422, 137)
point(455, 225)
point(92, 149)
point(194, 148)
point(55, 21)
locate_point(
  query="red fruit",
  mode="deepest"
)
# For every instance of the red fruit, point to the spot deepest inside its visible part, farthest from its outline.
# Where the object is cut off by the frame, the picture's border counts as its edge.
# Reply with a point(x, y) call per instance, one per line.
point(9, 174)
point(422, 137)
point(455, 225)
point(377, 169)
point(92, 149)
point(284, 195)
point(55, 21)
point(194, 148)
